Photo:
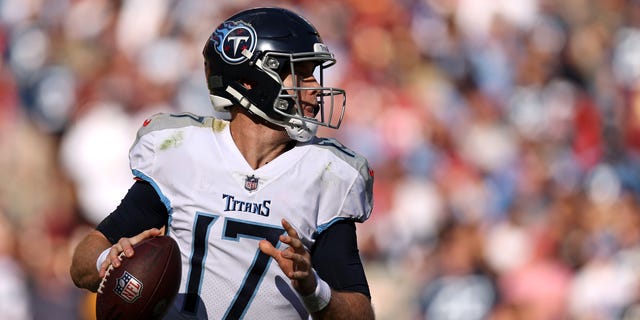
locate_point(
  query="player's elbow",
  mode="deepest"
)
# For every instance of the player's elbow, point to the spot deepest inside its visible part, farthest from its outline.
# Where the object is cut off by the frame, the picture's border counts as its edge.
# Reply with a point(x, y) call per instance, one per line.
point(79, 280)
point(83, 263)
point(83, 278)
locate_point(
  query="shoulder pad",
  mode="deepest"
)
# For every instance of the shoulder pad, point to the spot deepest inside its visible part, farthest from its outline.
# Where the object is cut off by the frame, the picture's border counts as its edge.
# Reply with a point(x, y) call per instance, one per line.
point(351, 157)
point(160, 121)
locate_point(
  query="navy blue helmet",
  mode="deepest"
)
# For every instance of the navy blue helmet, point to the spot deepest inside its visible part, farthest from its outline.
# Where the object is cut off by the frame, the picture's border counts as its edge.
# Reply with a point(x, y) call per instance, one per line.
point(260, 47)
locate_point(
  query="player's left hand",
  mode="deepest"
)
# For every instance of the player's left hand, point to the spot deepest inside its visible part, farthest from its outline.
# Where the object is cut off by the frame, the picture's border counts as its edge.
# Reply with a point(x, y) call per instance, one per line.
point(295, 260)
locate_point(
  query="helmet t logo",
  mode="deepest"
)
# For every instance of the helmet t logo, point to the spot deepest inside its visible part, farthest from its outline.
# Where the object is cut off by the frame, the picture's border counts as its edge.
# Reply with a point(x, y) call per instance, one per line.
point(232, 38)
point(237, 40)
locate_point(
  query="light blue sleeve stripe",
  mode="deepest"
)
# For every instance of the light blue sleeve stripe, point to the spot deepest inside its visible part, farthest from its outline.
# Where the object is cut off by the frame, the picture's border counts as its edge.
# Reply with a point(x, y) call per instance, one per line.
point(163, 198)
point(323, 227)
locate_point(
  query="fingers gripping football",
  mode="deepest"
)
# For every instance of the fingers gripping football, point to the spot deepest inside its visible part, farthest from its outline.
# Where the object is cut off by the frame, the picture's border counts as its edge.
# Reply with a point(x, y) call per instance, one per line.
point(125, 247)
point(294, 261)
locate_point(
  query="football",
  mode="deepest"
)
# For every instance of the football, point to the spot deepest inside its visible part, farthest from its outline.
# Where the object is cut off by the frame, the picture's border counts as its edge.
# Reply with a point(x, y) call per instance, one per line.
point(144, 286)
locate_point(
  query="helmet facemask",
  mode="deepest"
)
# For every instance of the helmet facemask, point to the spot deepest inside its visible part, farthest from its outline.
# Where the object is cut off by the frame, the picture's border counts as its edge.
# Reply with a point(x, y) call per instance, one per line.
point(330, 102)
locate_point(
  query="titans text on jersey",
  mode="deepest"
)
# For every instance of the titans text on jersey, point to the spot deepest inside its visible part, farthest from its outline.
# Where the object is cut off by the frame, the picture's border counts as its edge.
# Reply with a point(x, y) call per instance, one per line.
point(232, 204)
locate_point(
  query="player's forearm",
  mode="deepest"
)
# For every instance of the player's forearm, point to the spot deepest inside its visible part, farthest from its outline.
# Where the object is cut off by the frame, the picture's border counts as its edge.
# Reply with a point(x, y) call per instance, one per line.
point(83, 266)
point(348, 306)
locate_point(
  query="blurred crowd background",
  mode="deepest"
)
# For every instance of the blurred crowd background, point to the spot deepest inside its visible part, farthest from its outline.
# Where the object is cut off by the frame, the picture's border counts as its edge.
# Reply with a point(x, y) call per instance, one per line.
point(504, 135)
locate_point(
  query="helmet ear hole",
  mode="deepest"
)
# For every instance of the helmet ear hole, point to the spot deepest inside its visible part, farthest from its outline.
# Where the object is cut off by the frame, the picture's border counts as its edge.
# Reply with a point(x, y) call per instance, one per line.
point(215, 82)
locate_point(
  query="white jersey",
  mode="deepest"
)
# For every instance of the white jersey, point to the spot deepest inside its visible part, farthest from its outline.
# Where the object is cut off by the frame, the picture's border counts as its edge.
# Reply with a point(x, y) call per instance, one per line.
point(219, 208)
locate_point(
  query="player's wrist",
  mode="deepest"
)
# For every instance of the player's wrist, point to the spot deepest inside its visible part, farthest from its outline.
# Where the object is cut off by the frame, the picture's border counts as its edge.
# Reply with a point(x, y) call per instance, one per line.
point(102, 257)
point(319, 298)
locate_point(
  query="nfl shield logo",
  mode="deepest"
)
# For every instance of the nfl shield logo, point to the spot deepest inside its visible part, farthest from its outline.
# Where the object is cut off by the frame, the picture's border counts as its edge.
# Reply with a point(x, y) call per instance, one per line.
point(128, 287)
point(251, 183)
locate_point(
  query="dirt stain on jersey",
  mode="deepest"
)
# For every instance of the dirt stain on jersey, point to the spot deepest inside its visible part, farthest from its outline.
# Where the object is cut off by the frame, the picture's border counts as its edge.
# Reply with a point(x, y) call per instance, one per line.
point(218, 125)
point(172, 141)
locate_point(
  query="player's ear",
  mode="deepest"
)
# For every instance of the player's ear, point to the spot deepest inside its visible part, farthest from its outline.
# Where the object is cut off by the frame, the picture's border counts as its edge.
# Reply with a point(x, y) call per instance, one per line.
point(163, 230)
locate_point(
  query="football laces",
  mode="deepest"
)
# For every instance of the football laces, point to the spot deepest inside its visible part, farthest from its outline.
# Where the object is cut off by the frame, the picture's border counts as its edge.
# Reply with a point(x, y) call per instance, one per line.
point(107, 273)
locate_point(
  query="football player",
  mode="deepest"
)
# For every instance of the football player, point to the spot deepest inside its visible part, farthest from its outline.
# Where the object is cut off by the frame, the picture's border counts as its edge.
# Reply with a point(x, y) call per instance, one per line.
point(264, 211)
